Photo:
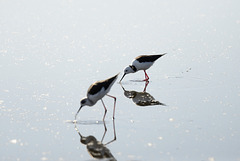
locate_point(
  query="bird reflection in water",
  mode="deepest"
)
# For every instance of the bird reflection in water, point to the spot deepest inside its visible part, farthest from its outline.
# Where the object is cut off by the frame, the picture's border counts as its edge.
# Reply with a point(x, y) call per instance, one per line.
point(97, 149)
point(142, 98)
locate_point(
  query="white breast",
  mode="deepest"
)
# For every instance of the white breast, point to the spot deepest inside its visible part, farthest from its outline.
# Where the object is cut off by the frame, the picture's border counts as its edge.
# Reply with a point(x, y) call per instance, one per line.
point(143, 65)
point(94, 98)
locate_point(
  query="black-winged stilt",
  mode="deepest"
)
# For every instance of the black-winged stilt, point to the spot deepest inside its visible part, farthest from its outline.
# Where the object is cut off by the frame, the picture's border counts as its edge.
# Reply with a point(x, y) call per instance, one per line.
point(142, 62)
point(96, 92)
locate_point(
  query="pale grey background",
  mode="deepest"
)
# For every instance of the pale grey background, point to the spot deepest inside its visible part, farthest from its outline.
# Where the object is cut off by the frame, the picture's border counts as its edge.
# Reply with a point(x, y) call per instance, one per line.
point(51, 51)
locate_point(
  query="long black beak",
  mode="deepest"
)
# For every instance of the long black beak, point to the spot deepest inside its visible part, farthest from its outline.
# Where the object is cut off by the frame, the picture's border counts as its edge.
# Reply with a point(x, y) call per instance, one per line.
point(78, 112)
point(123, 76)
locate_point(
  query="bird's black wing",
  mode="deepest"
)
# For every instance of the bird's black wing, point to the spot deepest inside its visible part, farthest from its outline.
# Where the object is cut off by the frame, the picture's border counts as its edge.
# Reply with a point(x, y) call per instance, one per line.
point(148, 58)
point(97, 86)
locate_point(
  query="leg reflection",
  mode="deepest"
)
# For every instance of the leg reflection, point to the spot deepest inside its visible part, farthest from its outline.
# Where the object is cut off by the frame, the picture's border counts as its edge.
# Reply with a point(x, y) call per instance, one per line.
point(97, 149)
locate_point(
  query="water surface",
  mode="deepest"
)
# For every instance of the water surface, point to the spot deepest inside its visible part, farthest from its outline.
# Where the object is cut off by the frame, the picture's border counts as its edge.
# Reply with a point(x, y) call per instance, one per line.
point(51, 51)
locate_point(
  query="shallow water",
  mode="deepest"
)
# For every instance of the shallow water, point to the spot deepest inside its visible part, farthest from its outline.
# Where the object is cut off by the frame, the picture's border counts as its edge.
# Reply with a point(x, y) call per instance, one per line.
point(51, 51)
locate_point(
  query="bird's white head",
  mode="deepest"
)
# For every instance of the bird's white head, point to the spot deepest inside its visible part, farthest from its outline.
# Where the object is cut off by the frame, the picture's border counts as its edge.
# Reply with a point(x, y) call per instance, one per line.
point(127, 70)
point(85, 102)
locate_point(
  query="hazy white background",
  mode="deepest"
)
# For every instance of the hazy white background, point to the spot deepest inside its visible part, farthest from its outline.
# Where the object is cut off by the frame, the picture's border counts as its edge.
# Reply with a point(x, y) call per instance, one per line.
point(51, 51)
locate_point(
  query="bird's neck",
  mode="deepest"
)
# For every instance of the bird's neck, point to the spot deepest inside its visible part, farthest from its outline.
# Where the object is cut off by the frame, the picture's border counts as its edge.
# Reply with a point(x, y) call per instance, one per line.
point(90, 102)
point(133, 68)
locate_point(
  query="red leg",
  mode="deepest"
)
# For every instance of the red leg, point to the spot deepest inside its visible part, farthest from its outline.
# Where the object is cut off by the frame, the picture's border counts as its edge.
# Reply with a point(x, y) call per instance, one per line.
point(146, 84)
point(114, 104)
point(146, 76)
point(105, 109)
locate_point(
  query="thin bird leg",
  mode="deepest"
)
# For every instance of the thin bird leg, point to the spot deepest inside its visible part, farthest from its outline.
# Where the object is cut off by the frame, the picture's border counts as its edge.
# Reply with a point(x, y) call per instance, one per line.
point(105, 127)
point(114, 104)
point(146, 76)
point(146, 84)
point(105, 109)
point(115, 136)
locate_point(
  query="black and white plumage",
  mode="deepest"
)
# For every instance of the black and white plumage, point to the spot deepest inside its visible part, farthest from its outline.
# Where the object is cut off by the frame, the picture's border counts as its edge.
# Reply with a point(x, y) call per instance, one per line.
point(142, 62)
point(96, 92)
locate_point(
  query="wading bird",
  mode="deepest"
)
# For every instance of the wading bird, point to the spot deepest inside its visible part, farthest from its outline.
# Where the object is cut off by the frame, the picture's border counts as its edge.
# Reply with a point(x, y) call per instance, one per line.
point(96, 92)
point(142, 62)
